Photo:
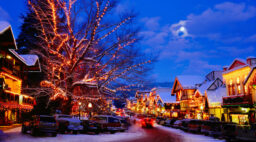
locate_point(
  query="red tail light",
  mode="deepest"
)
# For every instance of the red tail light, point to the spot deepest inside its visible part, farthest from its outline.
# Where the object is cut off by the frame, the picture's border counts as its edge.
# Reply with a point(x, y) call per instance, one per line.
point(37, 122)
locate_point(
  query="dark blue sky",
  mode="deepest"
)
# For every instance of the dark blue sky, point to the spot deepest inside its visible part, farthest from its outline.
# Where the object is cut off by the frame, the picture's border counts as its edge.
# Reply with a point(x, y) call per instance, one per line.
point(191, 36)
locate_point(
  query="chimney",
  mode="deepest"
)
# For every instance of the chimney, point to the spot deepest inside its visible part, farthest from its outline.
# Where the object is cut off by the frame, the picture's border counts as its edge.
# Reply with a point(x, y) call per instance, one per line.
point(251, 60)
point(225, 68)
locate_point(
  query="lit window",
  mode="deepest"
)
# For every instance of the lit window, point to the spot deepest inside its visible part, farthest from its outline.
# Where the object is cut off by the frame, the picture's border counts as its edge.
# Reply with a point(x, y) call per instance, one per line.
point(238, 80)
point(239, 89)
point(230, 82)
point(245, 89)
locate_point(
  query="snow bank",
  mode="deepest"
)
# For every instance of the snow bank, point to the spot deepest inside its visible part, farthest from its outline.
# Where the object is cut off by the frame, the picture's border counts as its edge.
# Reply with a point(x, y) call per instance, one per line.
point(14, 135)
point(188, 137)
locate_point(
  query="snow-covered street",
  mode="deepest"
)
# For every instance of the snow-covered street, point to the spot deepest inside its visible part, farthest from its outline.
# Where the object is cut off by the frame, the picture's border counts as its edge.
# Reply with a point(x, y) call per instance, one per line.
point(189, 137)
point(15, 135)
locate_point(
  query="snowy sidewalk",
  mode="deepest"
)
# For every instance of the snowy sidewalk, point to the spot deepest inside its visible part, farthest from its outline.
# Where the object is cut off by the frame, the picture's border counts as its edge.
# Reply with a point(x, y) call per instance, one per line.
point(189, 137)
point(135, 132)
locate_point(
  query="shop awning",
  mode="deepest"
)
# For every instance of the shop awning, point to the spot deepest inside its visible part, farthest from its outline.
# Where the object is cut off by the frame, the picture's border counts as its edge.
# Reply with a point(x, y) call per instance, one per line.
point(9, 105)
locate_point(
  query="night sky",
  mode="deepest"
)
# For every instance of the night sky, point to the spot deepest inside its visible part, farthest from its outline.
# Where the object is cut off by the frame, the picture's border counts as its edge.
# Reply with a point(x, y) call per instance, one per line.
point(190, 36)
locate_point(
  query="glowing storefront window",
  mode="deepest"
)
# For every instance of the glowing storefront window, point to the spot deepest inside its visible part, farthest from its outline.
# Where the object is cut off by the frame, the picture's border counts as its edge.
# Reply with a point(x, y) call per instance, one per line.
point(245, 89)
point(237, 80)
point(239, 89)
point(231, 82)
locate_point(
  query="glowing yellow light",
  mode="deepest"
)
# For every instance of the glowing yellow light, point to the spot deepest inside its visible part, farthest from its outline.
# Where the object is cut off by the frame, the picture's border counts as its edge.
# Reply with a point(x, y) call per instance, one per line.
point(237, 80)
point(90, 105)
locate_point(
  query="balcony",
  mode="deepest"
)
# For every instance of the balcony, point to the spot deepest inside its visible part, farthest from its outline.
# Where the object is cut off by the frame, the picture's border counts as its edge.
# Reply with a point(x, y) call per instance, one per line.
point(237, 100)
point(10, 67)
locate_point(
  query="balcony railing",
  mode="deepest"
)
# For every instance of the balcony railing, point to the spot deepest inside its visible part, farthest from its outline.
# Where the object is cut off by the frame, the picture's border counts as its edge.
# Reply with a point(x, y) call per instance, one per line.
point(8, 65)
point(237, 100)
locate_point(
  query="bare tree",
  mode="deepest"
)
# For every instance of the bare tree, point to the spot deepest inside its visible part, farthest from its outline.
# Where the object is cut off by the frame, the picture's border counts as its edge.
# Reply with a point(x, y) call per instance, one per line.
point(86, 41)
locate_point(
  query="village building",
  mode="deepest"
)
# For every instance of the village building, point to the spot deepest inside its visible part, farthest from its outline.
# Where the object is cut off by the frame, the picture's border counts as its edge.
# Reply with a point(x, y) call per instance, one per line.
point(167, 103)
point(239, 103)
point(184, 89)
point(89, 100)
point(15, 70)
point(210, 94)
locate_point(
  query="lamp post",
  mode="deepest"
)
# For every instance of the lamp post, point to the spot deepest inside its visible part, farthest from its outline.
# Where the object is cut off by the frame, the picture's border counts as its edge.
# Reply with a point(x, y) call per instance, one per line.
point(79, 109)
point(202, 109)
point(89, 107)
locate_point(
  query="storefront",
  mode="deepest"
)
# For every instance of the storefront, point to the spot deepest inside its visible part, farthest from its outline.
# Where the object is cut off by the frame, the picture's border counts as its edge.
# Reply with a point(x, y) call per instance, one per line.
point(239, 115)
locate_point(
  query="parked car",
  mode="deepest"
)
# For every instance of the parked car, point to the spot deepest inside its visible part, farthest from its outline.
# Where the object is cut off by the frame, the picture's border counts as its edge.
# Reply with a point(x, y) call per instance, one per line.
point(169, 122)
point(67, 123)
point(2, 135)
point(40, 124)
point(125, 123)
point(160, 120)
point(177, 124)
point(195, 125)
point(246, 132)
point(108, 123)
point(184, 124)
point(212, 128)
point(147, 122)
point(228, 131)
point(90, 126)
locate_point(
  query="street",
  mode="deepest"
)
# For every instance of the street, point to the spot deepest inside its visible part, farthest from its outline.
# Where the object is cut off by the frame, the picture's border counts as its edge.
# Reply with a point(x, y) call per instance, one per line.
point(15, 135)
point(166, 134)
point(134, 134)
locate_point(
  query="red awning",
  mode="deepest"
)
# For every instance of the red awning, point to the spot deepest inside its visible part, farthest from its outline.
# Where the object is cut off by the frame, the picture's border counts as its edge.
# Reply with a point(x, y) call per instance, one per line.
point(9, 105)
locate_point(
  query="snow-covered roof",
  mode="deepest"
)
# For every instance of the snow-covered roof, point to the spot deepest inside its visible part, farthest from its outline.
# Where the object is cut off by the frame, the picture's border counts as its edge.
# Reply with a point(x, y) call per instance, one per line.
point(27, 59)
point(91, 84)
point(4, 26)
point(165, 95)
point(216, 96)
point(204, 87)
point(236, 68)
point(189, 81)
point(30, 59)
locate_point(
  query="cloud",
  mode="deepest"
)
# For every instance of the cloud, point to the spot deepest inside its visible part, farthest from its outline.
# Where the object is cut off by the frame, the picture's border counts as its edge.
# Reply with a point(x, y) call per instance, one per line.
point(4, 15)
point(179, 29)
point(200, 67)
point(218, 22)
point(151, 22)
point(203, 42)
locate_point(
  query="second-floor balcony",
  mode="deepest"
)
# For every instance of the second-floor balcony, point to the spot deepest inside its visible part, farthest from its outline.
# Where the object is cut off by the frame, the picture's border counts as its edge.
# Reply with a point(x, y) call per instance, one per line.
point(237, 100)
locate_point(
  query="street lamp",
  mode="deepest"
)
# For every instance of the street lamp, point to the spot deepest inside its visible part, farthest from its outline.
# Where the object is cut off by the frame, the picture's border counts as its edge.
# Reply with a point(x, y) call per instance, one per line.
point(79, 109)
point(90, 106)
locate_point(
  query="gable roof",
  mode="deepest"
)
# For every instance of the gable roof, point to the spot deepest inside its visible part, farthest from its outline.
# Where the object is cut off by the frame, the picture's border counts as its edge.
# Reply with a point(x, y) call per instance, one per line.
point(248, 77)
point(30, 59)
point(7, 39)
point(189, 81)
point(204, 87)
point(165, 95)
point(237, 63)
